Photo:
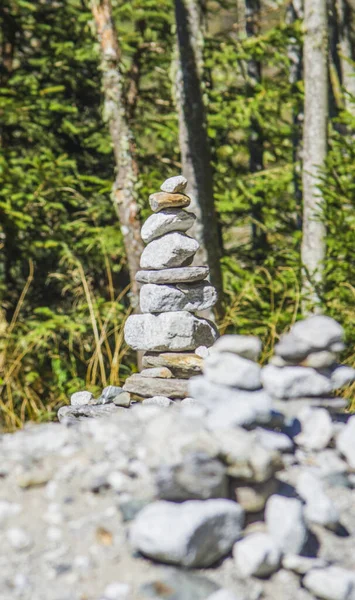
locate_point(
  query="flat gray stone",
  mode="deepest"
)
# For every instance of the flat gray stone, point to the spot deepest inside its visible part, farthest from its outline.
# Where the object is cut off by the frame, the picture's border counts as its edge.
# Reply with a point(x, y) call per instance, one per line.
point(291, 349)
point(81, 398)
point(319, 507)
point(247, 346)
point(342, 376)
point(183, 365)
point(198, 477)
point(332, 583)
point(192, 534)
point(159, 372)
point(153, 386)
point(302, 564)
point(171, 250)
point(316, 429)
point(161, 200)
point(176, 275)
point(183, 296)
point(345, 442)
point(72, 414)
point(166, 221)
point(320, 360)
point(256, 555)
point(175, 184)
point(176, 331)
point(319, 332)
point(285, 523)
point(294, 382)
point(230, 369)
point(274, 440)
point(157, 401)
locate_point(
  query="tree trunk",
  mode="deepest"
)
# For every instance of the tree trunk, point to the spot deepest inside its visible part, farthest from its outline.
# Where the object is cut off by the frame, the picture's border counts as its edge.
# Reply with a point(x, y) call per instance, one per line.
point(116, 111)
point(256, 140)
point(346, 52)
point(194, 144)
point(314, 147)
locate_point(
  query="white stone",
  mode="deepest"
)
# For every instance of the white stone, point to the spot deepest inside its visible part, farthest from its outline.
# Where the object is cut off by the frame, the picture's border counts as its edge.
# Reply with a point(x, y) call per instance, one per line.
point(202, 351)
point(274, 440)
point(319, 332)
point(247, 346)
point(171, 250)
point(174, 185)
point(117, 591)
point(224, 594)
point(175, 331)
point(320, 360)
point(177, 275)
point(294, 382)
point(316, 428)
point(166, 221)
point(285, 523)
point(301, 564)
point(342, 376)
point(157, 401)
point(319, 507)
point(257, 555)
point(183, 296)
point(18, 538)
point(81, 398)
point(332, 583)
point(192, 534)
point(345, 442)
point(231, 369)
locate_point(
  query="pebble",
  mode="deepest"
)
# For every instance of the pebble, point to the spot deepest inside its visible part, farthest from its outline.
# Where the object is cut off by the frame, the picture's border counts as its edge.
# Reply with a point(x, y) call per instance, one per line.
point(172, 250)
point(117, 591)
point(316, 428)
point(176, 331)
point(294, 382)
point(18, 538)
point(161, 200)
point(256, 555)
point(274, 440)
point(153, 386)
point(166, 221)
point(285, 523)
point(192, 534)
point(332, 583)
point(175, 184)
point(247, 346)
point(231, 369)
point(160, 372)
point(122, 399)
point(345, 442)
point(183, 296)
point(157, 401)
point(301, 564)
point(319, 507)
point(177, 275)
point(202, 352)
point(81, 398)
point(253, 497)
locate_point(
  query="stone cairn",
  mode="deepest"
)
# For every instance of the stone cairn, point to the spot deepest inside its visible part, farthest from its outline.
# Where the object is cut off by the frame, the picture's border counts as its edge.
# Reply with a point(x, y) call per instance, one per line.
point(167, 330)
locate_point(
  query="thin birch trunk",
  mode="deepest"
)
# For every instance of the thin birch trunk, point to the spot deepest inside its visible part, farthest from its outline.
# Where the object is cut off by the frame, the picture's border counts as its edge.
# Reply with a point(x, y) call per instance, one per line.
point(314, 147)
point(116, 110)
point(194, 144)
point(346, 52)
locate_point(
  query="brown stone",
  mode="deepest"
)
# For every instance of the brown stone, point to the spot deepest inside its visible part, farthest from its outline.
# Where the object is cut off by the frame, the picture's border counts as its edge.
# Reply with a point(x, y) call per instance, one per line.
point(161, 200)
point(181, 364)
point(152, 386)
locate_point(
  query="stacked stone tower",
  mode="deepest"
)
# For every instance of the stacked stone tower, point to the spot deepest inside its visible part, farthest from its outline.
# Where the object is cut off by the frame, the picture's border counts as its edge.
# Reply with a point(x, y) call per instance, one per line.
point(167, 330)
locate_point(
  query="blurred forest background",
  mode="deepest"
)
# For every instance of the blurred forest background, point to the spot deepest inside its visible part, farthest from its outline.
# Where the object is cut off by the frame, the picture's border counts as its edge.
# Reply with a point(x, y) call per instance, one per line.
point(214, 89)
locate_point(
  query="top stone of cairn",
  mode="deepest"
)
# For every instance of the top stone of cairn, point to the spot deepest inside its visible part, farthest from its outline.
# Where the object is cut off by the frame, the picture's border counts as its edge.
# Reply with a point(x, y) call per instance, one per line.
point(173, 185)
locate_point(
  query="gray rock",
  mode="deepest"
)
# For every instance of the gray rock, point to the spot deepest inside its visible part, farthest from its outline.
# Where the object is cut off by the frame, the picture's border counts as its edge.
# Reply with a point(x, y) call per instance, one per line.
point(319, 332)
point(231, 369)
point(176, 331)
point(198, 477)
point(166, 221)
point(302, 564)
point(175, 184)
point(161, 200)
point(172, 250)
point(157, 401)
point(342, 376)
point(274, 440)
point(285, 523)
point(345, 442)
point(247, 346)
point(177, 275)
point(81, 398)
point(291, 349)
point(72, 414)
point(257, 555)
point(202, 351)
point(152, 386)
point(253, 497)
point(183, 296)
point(182, 364)
point(109, 393)
point(294, 382)
point(316, 428)
point(159, 372)
point(332, 583)
point(320, 360)
point(177, 584)
point(123, 399)
point(192, 534)
point(319, 507)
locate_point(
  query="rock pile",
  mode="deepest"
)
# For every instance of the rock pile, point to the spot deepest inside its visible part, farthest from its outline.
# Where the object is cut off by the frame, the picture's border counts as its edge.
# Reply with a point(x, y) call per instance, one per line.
point(168, 330)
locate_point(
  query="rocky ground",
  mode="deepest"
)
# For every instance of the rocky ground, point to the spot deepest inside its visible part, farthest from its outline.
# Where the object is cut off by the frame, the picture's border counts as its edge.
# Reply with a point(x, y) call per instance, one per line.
point(237, 493)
